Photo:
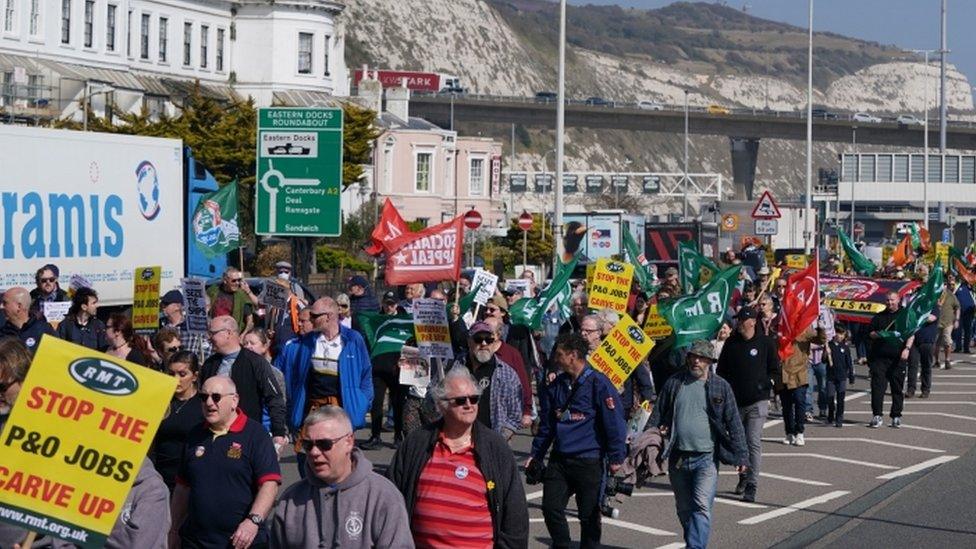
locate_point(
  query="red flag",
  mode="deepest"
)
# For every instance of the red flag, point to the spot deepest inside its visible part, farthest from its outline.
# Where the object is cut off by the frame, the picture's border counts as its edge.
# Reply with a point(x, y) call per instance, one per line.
point(800, 307)
point(391, 226)
point(925, 238)
point(965, 273)
point(431, 255)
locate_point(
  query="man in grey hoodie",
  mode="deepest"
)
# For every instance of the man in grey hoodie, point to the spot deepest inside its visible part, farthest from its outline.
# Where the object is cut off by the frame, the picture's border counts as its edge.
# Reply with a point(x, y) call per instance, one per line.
point(341, 502)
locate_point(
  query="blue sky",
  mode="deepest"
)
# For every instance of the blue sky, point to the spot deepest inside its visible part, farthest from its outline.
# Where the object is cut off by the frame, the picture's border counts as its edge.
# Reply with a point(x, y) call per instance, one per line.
point(909, 24)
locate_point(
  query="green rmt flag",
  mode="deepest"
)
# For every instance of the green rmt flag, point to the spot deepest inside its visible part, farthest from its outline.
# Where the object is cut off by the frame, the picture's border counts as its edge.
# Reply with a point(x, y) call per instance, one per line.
point(648, 280)
point(862, 265)
point(528, 311)
point(385, 333)
point(215, 229)
point(690, 263)
point(914, 315)
point(699, 315)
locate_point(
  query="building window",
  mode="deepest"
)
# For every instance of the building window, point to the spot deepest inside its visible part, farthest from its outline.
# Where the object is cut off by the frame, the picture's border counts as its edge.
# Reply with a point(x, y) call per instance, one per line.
point(89, 23)
point(325, 57)
point(476, 185)
point(65, 21)
point(34, 82)
point(128, 35)
point(155, 106)
point(220, 49)
point(35, 16)
point(163, 38)
point(304, 53)
point(110, 28)
point(423, 173)
point(204, 42)
point(8, 22)
point(187, 42)
point(144, 37)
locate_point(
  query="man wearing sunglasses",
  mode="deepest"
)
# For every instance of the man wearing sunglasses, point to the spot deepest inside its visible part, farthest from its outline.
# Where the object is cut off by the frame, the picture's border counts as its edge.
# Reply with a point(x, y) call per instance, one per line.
point(234, 298)
point(499, 383)
point(228, 478)
point(366, 509)
point(47, 291)
point(458, 471)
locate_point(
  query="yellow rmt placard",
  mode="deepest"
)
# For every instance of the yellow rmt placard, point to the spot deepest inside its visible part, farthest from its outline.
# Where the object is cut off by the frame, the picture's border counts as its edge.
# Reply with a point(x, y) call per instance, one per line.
point(610, 288)
point(621, 351)
point(145, 300)
point(76, 439)
point(655, 325)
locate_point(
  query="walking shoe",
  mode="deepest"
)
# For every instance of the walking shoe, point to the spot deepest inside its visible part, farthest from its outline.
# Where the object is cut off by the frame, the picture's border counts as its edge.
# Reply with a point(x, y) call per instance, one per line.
point(749, 495)
point(876, 422)
point(740, 488)
point(948, 366)
point(789, 440)
point(809, 416)
point(896, 423)
point(372, 444)
point(910, 394)
point(839, 424)
point(396, 441)
point(925, 394)
point(799, 440)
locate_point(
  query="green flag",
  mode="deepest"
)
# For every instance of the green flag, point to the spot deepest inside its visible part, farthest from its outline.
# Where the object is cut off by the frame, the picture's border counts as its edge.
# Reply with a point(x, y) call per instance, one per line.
point(690, 263)
point(215, 230)
point(647, 280)
point(916, 237)
point(862, 265)
point(466, 301)
point(385, 333)
point(698, 316)
point(528, 311)
point(914, 315)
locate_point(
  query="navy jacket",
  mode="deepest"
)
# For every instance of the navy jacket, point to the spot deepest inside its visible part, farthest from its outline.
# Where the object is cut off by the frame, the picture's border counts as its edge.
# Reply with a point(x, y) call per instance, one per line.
point(841, 363)
point(723, 416)
point(30, 333)
point(591, 425)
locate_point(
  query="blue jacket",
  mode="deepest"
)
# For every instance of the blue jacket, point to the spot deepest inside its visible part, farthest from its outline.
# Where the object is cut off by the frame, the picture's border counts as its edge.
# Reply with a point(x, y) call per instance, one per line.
point(723, 416)
point(965, 297)
point(591, 425)
point(355, 376)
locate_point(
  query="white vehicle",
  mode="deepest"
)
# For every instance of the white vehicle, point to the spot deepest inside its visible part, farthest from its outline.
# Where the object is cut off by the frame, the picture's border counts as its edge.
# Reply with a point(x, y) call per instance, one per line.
point(865, 117)
point(650, 106)
point(908, 120)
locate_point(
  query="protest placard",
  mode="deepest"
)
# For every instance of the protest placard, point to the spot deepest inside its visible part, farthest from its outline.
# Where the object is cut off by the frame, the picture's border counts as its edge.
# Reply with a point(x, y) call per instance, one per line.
point(621, 351)
point(486, 283)
point(414, 369)
point(610, 288)
point(274, 294)
point(55, 311)
point(655, 326)
point(195, 309)
point(145, 302)
point(76, 439)
point(430, 328)
point(518, 285)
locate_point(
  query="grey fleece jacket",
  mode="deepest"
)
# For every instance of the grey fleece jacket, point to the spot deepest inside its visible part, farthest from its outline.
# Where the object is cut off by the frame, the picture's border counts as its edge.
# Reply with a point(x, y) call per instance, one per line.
point(365, 510)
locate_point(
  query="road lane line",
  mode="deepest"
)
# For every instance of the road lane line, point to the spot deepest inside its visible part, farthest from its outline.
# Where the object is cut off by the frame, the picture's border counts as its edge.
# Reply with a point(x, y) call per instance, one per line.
point(871, 440)
point(940, 414)
point(532, 495)
point(776, 513)
point(771, 423)
point(653, 494)
point(917, 467)
point(740, 503)
point(616, 522)
point(783, 477)
point(943, 431)
point(675, 545)
point(952, 402)
point(830, 458)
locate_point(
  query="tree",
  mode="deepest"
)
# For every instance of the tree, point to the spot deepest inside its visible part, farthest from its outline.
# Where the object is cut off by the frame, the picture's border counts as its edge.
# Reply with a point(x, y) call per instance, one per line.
point(539, 252)
point(359, 133)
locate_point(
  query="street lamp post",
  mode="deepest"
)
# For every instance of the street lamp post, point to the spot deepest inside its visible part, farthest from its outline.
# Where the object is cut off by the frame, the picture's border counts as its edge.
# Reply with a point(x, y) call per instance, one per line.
point(560, 129)
point(856, 175)
point(925, 139)
point(684, 197)
point(807, 215)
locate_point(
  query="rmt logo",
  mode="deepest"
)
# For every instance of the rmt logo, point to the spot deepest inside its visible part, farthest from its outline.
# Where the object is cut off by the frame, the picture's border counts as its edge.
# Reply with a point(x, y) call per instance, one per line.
point(615, 267)
point(636, 334)
point(146, 273)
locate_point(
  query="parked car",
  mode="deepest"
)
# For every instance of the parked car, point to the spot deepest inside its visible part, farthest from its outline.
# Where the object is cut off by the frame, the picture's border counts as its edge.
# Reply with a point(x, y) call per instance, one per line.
point(546, 97)
point(908, 120)
point(865, 117)
point(823, 114)
point(718, 109)
point(650, 106)
point(598, 102)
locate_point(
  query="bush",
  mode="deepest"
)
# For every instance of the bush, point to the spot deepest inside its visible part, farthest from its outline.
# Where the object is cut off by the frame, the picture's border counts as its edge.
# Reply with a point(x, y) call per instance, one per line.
point(268, 256)
point(328, 257)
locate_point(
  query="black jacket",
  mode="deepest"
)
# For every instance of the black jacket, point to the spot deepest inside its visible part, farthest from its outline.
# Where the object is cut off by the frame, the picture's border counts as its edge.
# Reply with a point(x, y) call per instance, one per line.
point(749, 366)
point(884, 348)
point(841, 363)
point(506, 501)
point(30, 333)
point(256, 387)
point(91, 335)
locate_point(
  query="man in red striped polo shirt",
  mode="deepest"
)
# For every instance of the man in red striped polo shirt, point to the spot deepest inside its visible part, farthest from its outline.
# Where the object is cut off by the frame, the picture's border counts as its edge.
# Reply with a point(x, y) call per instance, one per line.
point(459, 478)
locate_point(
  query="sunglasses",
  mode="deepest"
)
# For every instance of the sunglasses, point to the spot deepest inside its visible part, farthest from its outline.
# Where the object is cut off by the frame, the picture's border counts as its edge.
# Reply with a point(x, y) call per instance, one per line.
point(213, 396)
point(4, 385)
point(323, 444)
point(49, 280)
point(235, 279)
point(491, 309)
point(173, 349)
point(343, 306)
point(313, 316)
point(462, 400)
point(483, 340)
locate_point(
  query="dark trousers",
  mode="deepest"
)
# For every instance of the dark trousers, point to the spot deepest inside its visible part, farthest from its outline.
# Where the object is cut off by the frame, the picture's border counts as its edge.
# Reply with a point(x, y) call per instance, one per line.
point(921, 359)
point(887, 373)
point(963, 335)
point(794, 408)
point(566, 476)
point(384, 380)
point(836, 391)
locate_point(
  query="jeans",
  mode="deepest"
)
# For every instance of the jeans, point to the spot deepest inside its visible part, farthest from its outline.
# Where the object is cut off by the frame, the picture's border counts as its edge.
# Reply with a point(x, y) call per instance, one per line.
point(753, 417)
point(794, 402)
point(921, 359)
point(963, 335)
point(694, 479)
point(836, 391)
point(566, 476)
point(817, 372)
point(887, 372)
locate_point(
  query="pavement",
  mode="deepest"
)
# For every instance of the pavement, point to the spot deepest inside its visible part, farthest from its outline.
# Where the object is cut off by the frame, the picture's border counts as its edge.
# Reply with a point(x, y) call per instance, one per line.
point(849, 487)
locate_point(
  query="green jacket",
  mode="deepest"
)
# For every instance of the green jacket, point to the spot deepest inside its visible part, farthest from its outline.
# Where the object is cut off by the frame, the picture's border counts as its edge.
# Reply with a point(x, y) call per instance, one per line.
point(242, 305)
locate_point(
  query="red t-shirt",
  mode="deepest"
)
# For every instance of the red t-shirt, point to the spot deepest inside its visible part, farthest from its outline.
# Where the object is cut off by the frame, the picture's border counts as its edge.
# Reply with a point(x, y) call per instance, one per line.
point(452, 504)
point(224, 304)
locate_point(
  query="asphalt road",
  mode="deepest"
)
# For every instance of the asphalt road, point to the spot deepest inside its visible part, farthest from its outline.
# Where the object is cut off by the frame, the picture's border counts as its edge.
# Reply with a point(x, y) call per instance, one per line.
point(850, 487)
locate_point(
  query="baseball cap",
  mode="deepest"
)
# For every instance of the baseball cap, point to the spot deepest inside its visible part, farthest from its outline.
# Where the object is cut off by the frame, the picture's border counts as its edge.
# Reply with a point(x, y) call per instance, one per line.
point(389, 297)
point(283, 265)
point(480, 328)
point(745, 313)
point(358, 281)
point(703, 348)
point(764, 270)
point(171, 297)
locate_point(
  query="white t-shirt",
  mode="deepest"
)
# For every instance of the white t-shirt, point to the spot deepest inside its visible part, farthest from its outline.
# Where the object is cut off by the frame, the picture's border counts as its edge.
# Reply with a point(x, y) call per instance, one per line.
point(325, 360)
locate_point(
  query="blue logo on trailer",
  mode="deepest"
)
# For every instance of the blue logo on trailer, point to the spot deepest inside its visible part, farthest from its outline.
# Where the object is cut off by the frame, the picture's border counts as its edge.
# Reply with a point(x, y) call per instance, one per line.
point(147, 185)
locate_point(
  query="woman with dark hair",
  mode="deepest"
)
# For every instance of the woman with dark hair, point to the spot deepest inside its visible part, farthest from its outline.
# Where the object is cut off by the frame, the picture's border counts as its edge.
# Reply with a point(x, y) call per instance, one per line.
point(123, 342)
point(185, 412)
point(165, 343)
point(80, 325)
point(14, 361)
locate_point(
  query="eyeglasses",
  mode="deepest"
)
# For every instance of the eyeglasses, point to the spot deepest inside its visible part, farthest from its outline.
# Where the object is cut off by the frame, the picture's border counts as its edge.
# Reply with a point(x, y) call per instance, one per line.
point(235, 279)
point(4, 385)
point(483, 339)
point(49, 280)
point(343, 306)
point(588, 330)
point(215, 332)
point(173, 349)
point(313, 315)
point(323, 444)
point(463, 400)
point(214, 396)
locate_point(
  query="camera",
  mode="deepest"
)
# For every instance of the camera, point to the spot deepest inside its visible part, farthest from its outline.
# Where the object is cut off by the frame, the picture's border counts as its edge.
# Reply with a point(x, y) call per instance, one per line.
point(612, 487)
point(534, 472)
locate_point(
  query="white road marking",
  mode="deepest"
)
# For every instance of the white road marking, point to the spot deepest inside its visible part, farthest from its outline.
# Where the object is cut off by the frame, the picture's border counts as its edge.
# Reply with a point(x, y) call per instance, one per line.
point(775, 513)
point(675, 545)
point(652, 494)
point(771, 423)
point(941, 376)
point(739, 503)
point(943, 431)
point(952, 402)
point(872, 441)
point(830, 458)
point(918, 467)
point(783, 477)
point(532, 495)
point(852, 396)
point(617, 522)
point(955, 383)
point(941, 414)
point(953, 393)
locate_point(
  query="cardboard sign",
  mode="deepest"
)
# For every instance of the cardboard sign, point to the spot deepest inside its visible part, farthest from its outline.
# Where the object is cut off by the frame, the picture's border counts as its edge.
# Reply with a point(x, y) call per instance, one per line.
point(145, 302)
point(611, 285)
point(486, 283)
point(55, 311)
point(195, 309)
point(79, 281)
point(414, 369)
point(654, 324)
point(942, 253)
point(796, 261)
point(590, 270)
point(519, 284)
point(274, 295)
point(430, 328)
point(621, 351)
point(76, 439)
